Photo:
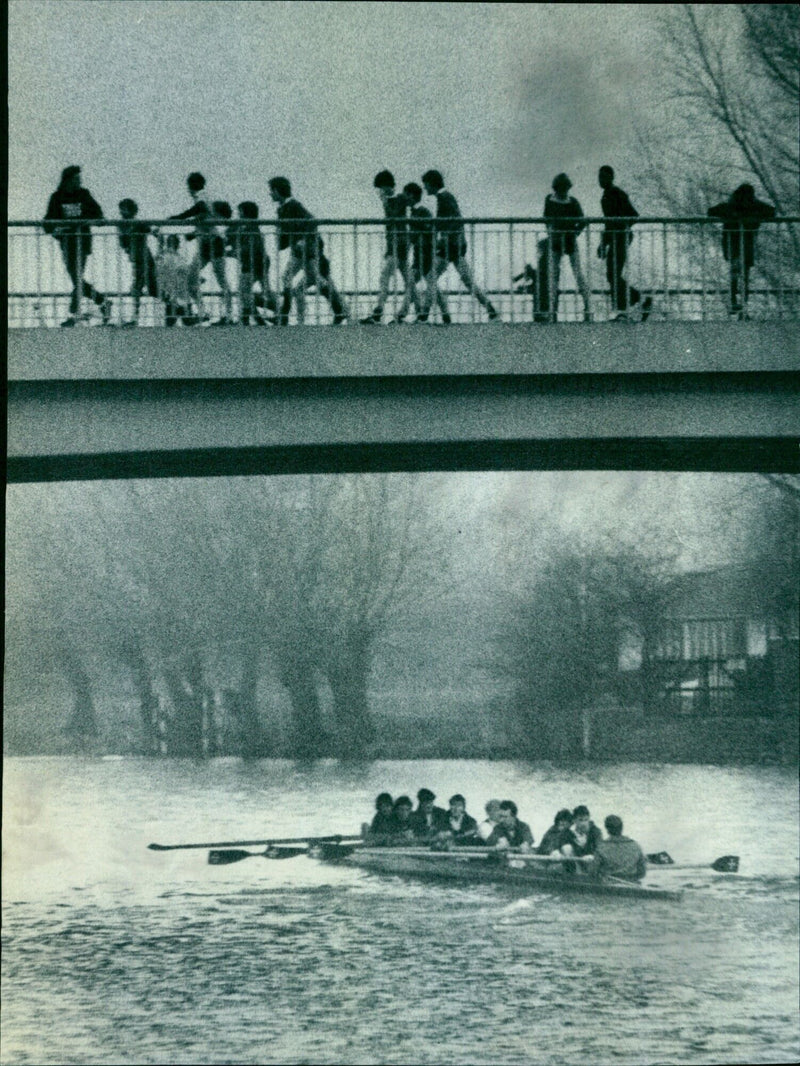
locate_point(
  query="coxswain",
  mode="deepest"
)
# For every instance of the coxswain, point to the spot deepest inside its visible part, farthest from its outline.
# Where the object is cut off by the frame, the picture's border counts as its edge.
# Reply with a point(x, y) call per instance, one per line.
point(427, 820)
point(618, 855)
point(557, 835)
point(510, 831)
point(383, 823)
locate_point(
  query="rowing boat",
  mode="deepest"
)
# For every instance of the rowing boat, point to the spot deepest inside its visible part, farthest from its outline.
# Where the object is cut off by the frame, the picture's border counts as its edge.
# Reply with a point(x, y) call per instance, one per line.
point(489, 868)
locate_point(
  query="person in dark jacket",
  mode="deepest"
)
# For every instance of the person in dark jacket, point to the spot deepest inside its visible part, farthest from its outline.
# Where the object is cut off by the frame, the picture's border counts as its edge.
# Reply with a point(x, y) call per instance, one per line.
point(133, 241)
point(565, 221)
point(461, 827)
point(741, 216)
point(617, 207)
point(583, 836)
point(383, 824)
point(254, 264)
point(402, 829)
point(557, 835)
point(427, 820)
point(421, 242)
point(69, 203)
point(510, 831)
point(298, 232)
point(396, 207)
point(451, 247)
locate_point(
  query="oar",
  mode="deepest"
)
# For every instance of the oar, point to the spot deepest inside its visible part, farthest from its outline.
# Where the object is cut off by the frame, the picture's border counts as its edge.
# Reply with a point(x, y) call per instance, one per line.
point(725, 864)
point(310, 839)
point(225, 857)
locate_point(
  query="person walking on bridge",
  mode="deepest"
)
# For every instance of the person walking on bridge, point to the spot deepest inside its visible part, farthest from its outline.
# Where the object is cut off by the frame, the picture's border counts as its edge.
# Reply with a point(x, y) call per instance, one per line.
point(298, 232)
point(621, 213)
point(68, 204)
point(451, 247)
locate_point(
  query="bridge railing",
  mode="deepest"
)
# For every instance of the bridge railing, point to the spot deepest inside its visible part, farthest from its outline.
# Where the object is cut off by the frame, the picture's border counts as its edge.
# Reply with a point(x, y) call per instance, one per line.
point(683, 269)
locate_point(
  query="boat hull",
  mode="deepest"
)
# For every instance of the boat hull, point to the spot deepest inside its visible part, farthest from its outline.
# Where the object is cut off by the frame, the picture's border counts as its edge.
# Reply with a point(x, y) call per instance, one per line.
point(492, 870)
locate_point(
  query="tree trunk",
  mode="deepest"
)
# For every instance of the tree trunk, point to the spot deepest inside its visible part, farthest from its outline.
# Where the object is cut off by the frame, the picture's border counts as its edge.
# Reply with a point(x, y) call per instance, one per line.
point(186, 725)
point(355, 731)
point(310, 739)
point(82, 724)
point(131, 654)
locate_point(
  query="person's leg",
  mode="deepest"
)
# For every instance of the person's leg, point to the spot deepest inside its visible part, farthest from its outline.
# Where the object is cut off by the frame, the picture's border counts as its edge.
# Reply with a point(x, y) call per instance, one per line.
point(554, 279)
point(321, 270)
point(293, 267)
point(218, 266)
point(465, 273)
point(390, 266)
point(246, 301)
point(580, 281)
point(194, 285)
point(432, 290)
point(72, 262)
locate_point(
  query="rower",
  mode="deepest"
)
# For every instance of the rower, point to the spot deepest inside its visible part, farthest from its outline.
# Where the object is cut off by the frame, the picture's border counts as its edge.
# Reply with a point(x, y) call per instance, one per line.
point(583, 836)
point(461, 827)
point(487, 826)
point(510, 831)
point(557, 835)
point(402, 831)
point(383, 823)
point(618, 856)
point(428, 821)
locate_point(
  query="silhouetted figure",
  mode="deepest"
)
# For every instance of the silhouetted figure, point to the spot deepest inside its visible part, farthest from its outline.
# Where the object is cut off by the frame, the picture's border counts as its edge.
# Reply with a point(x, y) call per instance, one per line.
point(565, 221)
point(69, 203)
point(395, 207)
point(210, 243)
point(451, 247)
point(617, 207)
point(741, 216)
point(254, 264)
point(536, 282)
point(298, 232)
point(133, 241)
point(422, 243)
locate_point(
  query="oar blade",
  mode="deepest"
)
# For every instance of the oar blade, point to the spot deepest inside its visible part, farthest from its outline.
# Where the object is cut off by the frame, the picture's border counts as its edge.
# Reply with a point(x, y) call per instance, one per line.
point(726, 864)
point(226, 857)
point(660, 858)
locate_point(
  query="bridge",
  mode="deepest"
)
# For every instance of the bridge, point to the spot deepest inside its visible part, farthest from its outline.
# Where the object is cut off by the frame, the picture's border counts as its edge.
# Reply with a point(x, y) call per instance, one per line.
point(689, 389)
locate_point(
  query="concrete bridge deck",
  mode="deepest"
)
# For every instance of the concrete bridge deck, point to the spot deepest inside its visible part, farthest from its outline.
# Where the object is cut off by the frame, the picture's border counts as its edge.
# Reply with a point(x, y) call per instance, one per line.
point(106, 403)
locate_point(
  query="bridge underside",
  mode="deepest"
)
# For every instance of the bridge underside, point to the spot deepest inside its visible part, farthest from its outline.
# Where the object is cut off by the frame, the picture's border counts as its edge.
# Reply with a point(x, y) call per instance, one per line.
point(103, 403)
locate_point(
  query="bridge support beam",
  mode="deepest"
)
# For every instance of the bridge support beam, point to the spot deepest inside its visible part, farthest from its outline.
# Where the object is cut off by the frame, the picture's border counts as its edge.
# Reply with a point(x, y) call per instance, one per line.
point(101, 403)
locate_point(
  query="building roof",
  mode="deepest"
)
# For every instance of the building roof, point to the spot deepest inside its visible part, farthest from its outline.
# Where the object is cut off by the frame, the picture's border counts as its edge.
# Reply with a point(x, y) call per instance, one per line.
point(724, 592)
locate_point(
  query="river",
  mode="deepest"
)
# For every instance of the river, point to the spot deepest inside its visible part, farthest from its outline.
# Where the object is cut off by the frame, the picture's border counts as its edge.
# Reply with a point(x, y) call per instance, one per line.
point(113, 953)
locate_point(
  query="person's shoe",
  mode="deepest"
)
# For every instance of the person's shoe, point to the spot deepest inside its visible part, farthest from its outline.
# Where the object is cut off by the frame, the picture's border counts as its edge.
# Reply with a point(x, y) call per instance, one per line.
point(621, 316)
point(282, 320)
point(71, 321)
point(374, 319)
point(446, 319)
point(190, 320)
point(492, 312)
point(647, 307)
point(130, 324)
point(105, 311)
point(339, 319)
point(422, 318)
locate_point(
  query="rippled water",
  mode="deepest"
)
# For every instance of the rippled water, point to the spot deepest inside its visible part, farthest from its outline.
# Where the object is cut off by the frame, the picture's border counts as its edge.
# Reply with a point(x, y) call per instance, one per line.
point(115, 953)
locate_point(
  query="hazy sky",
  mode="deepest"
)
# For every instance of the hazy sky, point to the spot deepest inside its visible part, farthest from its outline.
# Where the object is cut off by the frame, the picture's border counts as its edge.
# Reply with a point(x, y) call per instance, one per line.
point(500, 97)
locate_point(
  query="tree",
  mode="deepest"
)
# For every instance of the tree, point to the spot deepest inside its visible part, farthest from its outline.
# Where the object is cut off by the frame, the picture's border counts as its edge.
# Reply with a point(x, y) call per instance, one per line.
point(561, 641)
point(732, 113)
